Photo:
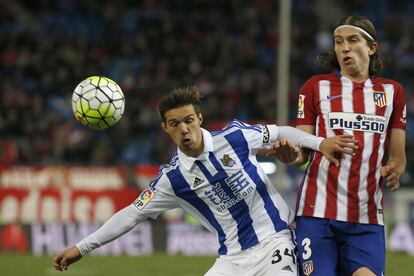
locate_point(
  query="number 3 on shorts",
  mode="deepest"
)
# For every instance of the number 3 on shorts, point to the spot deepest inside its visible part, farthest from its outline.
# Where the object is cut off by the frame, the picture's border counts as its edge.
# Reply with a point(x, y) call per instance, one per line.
point(307, 252)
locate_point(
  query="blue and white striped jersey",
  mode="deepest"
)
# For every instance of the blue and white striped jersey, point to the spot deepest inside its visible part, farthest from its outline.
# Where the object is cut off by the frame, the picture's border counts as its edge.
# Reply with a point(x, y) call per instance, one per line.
point(224, 188)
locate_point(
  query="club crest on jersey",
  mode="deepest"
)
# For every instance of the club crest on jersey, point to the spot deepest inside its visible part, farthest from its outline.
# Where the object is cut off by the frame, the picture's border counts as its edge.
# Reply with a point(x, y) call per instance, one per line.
point(227, 161)
point(301, 107)
point(380, 98)
point(143, 199)
point(357, 122)
point(307, 268)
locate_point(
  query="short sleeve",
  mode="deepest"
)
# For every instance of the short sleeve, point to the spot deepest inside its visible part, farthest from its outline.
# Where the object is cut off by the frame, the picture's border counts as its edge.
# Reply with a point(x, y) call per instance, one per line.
point(399, 114)
point(306, 110)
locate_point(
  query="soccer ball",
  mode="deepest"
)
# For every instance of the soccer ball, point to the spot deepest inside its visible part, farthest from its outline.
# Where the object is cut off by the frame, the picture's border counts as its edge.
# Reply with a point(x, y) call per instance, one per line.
point(98, 102)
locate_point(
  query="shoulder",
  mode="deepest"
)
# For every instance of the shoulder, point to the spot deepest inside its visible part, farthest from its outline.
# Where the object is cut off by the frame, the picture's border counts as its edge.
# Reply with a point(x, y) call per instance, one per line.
point(236, 125)
point(315, 79)
point(163, 170)
point(381, 80)
point(318, 77)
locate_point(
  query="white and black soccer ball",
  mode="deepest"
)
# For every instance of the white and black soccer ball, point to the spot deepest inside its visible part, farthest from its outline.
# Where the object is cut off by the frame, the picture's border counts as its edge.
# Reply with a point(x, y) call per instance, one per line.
point(98, 102)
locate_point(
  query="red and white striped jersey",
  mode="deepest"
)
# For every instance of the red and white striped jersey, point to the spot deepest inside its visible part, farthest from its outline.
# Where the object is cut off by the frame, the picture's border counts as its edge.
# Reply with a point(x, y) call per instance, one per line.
point(335, 105)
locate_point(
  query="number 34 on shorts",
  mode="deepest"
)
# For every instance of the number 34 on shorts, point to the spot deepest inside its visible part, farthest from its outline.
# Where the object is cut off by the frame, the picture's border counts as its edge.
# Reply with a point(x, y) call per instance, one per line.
point(285, 258)
point(288, 252)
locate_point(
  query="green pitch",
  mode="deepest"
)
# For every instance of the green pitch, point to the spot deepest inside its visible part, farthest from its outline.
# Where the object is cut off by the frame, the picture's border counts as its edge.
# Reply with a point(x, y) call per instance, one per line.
point(156, 265)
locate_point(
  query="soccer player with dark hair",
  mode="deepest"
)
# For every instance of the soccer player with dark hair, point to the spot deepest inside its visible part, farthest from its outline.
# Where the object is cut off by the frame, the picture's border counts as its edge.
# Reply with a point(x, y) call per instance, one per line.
point(340, 225)
point(216, 177)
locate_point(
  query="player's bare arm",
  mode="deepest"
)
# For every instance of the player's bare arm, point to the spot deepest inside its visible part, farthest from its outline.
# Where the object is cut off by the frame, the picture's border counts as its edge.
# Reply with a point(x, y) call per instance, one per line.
point(397, 162)
point(67, 257)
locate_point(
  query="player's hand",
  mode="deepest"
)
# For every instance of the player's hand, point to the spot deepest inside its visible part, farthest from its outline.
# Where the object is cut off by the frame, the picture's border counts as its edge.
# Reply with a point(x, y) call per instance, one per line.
point(67, 257)
point(392, 173)
point(284, 151)
point(340, 143)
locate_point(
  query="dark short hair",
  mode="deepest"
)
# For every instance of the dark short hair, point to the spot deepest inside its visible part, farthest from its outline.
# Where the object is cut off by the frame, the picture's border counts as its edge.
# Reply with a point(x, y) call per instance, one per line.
point(329, 60)
point(179, 97)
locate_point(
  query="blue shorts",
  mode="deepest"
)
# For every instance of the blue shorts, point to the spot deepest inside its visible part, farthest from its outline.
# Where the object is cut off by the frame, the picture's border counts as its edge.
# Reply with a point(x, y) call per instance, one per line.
point(331, 247)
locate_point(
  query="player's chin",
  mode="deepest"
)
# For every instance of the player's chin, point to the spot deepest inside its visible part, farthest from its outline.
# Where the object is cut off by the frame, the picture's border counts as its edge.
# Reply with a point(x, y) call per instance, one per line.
point(351, 69)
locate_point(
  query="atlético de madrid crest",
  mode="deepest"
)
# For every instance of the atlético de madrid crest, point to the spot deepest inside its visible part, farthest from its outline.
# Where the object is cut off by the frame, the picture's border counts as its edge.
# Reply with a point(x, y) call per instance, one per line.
point(380, 98)
point(307, 267)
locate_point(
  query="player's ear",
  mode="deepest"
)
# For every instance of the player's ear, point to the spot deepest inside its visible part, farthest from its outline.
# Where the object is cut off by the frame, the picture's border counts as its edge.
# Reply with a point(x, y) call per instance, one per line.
point(164, 126)
point(373, 48)
point(200, 118)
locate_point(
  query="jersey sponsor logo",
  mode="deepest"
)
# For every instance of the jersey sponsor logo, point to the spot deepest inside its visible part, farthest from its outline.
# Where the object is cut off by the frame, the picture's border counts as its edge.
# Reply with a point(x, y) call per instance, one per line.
point(239, 189)
point(301, 107)
point(143, 199)
point(266, 134)
point(357, 122)
point(307, 268)
point(380, 98)
point(227, 161)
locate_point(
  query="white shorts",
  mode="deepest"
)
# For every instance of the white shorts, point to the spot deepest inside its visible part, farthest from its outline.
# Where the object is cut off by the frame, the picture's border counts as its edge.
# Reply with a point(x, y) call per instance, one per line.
point(275, 256)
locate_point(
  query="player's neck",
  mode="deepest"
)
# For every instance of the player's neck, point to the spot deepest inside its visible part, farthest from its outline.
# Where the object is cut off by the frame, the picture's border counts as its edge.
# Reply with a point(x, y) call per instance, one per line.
point(357, 73)
point(356, 77)
point(194, 153)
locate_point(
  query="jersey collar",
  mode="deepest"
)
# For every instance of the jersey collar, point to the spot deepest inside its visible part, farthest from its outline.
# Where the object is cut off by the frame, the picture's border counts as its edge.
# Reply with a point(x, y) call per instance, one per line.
point(339, 75)
point(188, 161)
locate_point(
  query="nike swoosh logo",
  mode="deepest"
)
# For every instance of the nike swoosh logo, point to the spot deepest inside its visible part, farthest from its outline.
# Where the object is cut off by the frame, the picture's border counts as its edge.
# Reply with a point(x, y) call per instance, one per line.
point(330, 98)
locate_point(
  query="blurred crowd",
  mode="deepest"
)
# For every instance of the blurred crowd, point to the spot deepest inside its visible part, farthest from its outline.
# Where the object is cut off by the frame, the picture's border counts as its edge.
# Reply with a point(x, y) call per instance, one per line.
point(228, 48)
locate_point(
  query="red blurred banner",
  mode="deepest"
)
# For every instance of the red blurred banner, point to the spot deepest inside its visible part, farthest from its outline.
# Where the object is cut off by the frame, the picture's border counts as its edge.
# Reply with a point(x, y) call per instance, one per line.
point(68, 194)
point(89, 178)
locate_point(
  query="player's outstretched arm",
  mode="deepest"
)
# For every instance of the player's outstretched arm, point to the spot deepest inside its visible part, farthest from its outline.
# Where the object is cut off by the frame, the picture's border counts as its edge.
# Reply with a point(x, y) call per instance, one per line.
point(302, 136)
point(119, 224)
point(327, 146)
point(67, 257)
point(292, 155)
